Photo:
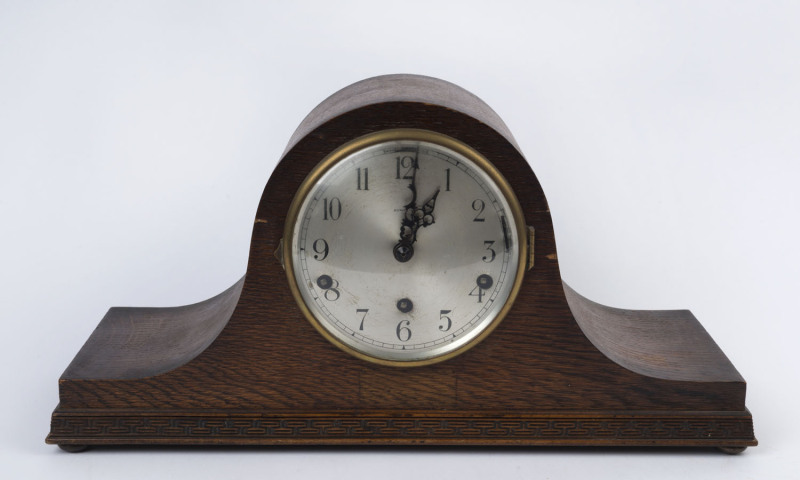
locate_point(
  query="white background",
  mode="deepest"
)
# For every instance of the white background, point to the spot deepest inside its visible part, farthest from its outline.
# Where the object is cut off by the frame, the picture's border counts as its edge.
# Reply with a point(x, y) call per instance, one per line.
point(136, 139)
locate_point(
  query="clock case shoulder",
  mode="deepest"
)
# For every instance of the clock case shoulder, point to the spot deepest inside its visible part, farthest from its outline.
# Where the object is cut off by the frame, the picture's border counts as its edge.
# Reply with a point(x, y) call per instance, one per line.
point(250, 353)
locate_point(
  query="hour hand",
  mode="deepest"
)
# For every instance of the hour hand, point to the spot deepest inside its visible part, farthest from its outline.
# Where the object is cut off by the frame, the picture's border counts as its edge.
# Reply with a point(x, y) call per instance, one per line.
point(413, 218)
point(427, 210)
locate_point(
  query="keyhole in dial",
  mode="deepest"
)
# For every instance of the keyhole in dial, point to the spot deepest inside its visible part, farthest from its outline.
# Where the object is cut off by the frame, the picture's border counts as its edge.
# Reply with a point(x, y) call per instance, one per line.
point(405, 305)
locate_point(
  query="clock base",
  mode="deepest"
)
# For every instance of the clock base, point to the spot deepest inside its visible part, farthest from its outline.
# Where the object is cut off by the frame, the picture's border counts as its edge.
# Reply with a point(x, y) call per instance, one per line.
point(131, 346)
point(731, 432)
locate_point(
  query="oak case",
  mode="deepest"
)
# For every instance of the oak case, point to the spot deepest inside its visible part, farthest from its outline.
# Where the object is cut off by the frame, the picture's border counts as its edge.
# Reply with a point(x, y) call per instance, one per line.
point(246, 367)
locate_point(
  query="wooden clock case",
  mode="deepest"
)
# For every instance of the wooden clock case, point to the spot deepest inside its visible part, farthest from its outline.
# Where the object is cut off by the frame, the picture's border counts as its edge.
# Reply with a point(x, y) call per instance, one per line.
point(246, 367)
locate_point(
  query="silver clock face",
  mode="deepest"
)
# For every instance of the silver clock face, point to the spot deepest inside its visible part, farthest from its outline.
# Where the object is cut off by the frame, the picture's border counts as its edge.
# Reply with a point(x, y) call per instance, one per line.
point(405, 248)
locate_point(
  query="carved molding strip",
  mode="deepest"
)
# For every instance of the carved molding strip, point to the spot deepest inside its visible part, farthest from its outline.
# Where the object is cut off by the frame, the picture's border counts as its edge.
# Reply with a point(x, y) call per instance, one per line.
point(705, 429)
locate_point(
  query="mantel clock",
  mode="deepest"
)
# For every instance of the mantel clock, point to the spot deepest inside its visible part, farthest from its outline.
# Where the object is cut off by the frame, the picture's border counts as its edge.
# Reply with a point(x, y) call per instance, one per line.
point(402, 288)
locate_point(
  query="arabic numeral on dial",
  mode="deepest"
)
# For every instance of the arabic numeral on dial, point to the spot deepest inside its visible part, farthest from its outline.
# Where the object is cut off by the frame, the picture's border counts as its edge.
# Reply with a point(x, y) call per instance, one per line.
point(363, 311)
point(330, 286)
point(490, 257)
point(321, 249)
point(478, 205)
point(403, 332)
point(332, 294)
point(332, 209)
point(405, 165)
point(363, 179)
point(478, 292)
point(448, 322)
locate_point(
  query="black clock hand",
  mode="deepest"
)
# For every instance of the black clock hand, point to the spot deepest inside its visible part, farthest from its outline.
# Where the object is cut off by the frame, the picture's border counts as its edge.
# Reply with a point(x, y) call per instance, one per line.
point(413, 185)
point(408, 228)
point(415, 217)
point(427, 209)
point(404, 250)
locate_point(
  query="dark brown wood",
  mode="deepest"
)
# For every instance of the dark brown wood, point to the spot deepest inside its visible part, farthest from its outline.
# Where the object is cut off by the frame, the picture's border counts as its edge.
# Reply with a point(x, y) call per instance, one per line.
point(667, 344)
point(142, 342)
point(702, 429)
point(559, 370)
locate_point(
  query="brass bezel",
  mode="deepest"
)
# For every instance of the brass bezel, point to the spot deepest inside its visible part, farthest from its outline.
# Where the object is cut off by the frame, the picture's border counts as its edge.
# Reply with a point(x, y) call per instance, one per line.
point(415, 135)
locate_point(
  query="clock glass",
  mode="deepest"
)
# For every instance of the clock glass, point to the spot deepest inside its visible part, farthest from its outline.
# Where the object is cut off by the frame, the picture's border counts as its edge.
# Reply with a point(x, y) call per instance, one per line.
point(405, 247)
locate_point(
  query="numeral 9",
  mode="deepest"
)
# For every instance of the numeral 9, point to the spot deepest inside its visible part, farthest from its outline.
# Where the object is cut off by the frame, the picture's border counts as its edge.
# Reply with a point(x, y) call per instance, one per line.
point(320, 247)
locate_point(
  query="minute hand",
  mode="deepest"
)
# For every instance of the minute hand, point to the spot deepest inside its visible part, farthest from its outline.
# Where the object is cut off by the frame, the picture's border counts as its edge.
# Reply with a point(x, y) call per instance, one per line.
point(409, 226)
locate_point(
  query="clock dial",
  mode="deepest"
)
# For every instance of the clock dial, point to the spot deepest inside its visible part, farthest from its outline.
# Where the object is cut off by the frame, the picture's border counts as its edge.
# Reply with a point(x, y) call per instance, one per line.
point(405, 247)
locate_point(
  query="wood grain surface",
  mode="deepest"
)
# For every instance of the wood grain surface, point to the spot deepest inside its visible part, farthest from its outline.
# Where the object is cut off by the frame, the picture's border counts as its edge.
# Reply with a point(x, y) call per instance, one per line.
point(554, 352)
